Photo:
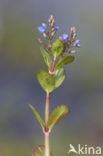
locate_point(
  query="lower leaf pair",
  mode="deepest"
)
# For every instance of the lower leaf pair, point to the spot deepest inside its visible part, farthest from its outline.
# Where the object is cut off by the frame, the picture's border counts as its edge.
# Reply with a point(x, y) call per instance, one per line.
point(56, 116)
point(39, 150)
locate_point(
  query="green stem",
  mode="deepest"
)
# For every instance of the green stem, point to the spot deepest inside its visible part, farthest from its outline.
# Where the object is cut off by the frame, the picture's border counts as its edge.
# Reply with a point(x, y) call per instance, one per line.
point(47, 148)
point(46, 133)
point(47, 105)
point(50, 57)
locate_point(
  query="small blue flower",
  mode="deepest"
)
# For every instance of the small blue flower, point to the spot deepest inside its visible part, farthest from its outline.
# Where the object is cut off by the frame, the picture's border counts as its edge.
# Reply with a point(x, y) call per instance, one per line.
point(78, 45)
point(42, 28)
point(56, 27)
point(64, 37)
point(77, 42)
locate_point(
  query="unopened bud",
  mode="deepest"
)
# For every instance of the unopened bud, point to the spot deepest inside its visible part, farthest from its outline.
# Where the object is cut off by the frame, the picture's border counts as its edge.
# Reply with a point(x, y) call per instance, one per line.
point(52, 23)
point(73, 29)
point(73, 51)
point(53, 33)
point(43, 24)
point(51, 19)
point(45, 35)
point(74, 35)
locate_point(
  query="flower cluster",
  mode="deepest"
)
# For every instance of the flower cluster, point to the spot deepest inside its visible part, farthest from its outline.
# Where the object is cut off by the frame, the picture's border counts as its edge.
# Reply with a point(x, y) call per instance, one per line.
point(69, 40)
point(52, 29)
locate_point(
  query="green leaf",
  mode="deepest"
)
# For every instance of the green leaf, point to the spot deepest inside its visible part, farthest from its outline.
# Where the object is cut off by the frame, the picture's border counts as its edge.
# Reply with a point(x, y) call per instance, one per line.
point(45, 56)
point(57, 115)
point(57, 48)
point(59, 77)
point(46, 81)
point(64, 61)
point(38, 150)
point(37, 116)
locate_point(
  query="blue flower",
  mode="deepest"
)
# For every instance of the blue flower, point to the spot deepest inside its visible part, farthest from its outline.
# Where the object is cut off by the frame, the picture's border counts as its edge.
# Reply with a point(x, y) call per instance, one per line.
point(42, 28)
point(77, 42)
point(56, 27)
point(78, 45)
point(64, 37)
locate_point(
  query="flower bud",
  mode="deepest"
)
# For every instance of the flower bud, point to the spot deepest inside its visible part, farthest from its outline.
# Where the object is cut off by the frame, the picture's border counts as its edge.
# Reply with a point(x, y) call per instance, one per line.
point(51, 20)
point(73, 30)
point(74, 35)
point(44, 34)
point(73, 51)
point(53, 33)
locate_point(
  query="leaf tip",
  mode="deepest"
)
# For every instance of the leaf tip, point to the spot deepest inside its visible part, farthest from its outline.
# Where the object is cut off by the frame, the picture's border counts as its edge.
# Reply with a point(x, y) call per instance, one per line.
point(30, 106)
point(67, 107)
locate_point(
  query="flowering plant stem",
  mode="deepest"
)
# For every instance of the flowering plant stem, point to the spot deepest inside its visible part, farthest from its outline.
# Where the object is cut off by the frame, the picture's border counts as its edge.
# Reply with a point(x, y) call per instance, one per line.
point(47, 105)
point(46, 133)
point(47, 108)
point(56, 55)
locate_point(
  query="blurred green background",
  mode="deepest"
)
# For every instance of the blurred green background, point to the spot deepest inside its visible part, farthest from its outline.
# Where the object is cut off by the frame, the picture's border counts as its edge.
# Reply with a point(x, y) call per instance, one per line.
point(20, 59)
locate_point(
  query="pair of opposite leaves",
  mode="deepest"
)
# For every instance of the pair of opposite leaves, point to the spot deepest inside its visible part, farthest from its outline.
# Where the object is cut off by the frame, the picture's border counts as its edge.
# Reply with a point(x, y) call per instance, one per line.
point(49, 83)
point(57, 115)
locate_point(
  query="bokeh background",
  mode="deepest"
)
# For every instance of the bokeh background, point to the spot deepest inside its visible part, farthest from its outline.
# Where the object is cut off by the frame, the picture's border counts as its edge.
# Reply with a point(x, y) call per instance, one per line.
point(20, 59)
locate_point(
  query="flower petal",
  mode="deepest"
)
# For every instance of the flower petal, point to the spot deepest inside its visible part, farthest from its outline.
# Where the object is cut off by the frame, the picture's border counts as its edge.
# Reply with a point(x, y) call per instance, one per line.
point(64, 37)
point(42, 29)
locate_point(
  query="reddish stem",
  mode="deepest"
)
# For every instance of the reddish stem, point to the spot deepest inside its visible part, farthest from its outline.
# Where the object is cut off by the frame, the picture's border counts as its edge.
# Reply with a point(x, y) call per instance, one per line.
point(47, 108)
point(53, 66)
point(46, 132)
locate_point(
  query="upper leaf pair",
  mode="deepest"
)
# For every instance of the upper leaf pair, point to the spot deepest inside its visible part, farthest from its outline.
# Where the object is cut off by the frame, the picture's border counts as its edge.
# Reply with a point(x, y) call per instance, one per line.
point(57, 48)
point(56, 52)
point(64, 61)
point(49, 82)
point(45, 56)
